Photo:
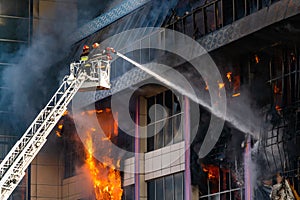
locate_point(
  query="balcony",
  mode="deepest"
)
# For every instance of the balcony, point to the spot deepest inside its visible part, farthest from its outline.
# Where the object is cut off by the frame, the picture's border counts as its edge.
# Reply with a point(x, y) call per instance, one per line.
point(220, 22)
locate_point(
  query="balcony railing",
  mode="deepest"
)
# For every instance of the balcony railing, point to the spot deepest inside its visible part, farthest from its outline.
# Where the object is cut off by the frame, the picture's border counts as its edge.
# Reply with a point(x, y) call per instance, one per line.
point(215, 14)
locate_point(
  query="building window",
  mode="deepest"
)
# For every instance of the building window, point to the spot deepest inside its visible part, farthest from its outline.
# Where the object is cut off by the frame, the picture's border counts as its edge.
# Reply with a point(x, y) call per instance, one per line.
point(220, 182)
point(128, 192)
point(6, 143)
point(14, 28)
point(165, 188)
point(164, 130)
point(14, 8)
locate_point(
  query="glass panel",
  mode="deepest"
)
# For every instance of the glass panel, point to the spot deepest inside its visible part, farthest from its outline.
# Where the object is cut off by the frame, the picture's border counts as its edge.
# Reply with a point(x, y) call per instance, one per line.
point(8, 49)
point(3, 67)
point(112, 71)
point(239, 9)
point(224, 180)
point(264, 3)
point(228, 12)
point(3, 150)
point(159, 189)
point(169, 102)
point(14, 8)
point(125, 141)
point(178, 133)
point(176, 105)
point(159, 137)
point(168, 132)
point(169, 191)
point(150, 102)
point(273, 1)
point(145, 56)
point(178, 186)
point(150, 138)
point(128, 193)
point(210, 19)
point(151, 190)
point(199, 21)
point(213, 177)
point(189, 26)
point(116, 72)
point(128, 66)
point(236, 195)
point(14, 29)
point(219, 15)
point(159, 101)
point(179, 26)
point(251, 6)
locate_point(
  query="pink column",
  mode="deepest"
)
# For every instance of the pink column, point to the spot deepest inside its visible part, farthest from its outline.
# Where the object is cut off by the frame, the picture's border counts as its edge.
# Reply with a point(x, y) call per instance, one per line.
point(187, 172)
point(247, 169)
point(137, 151)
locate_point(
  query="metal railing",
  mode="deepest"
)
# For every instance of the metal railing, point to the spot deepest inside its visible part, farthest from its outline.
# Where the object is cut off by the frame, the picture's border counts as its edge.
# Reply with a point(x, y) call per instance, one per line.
point(214, 15)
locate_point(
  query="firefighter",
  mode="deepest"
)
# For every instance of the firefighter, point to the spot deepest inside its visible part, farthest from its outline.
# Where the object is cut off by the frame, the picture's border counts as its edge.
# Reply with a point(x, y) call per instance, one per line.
point(96, 45)
point(85, 53)
point(84, 57)
point(281, 190)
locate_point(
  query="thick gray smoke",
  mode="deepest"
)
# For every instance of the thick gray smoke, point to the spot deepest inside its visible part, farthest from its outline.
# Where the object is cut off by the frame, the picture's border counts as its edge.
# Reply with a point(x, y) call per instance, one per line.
point(35, 76)
point(38, 70)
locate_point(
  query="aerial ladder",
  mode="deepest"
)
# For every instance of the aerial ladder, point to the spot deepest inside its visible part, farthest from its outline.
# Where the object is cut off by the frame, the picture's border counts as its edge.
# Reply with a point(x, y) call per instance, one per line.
point(85, 75)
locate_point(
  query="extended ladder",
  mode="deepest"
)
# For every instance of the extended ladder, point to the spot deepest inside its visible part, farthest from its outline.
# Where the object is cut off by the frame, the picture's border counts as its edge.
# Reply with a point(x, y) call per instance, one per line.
point(12, 168)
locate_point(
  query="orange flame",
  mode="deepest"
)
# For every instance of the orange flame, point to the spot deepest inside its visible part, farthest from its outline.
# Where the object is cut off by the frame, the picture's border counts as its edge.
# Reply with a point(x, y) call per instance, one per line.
point(213, 176)
point(221, 85)
point(236, 86)
point(277, 107)
point(58, 133)
point(236, 94)
point(211, 170)
point(60, 126)
point(256, 58)
point(65, 113)
point(276, 89)
point(228, 75)
point(206, 86)
point(105, 178)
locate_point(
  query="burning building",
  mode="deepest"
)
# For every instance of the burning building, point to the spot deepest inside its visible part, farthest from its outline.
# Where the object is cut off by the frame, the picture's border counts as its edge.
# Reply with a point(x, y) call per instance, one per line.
point(97, 153)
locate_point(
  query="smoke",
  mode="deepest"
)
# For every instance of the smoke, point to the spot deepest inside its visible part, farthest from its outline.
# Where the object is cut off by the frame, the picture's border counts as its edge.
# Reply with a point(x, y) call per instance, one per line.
point(151, 15)
point(39, 66)
point(244, 113)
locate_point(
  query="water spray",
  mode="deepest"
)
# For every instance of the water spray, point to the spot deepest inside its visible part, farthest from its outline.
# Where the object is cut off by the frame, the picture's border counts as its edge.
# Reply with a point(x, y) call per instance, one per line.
point(182, 91)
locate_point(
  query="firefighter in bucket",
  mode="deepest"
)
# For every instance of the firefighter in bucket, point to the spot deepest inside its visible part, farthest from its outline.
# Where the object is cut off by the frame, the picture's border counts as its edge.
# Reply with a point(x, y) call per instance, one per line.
point(95, 62)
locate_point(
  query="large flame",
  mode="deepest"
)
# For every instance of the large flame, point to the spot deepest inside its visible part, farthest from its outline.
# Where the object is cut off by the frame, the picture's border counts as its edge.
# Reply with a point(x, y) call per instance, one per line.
point(106, 179)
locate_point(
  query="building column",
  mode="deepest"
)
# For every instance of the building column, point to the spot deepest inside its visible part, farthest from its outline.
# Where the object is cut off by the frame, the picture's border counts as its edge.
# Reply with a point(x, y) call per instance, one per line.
point(187, 172)
point(140, 149)
point(247, 169)
point(136, 151)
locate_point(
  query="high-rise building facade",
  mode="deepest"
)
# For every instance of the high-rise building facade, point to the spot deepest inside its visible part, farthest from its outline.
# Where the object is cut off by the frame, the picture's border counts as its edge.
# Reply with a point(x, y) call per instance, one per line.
point(255, 47)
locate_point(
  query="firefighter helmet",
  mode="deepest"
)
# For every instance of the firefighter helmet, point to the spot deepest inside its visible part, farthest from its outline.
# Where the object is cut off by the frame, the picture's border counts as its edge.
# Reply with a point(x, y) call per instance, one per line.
point(86, 47)
point(96, 45)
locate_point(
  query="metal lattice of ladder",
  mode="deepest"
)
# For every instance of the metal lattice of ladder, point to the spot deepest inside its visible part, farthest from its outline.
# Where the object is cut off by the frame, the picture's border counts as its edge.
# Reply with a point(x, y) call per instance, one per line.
point(12, 168)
